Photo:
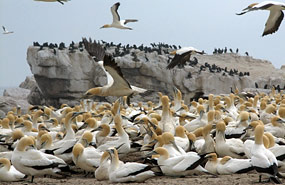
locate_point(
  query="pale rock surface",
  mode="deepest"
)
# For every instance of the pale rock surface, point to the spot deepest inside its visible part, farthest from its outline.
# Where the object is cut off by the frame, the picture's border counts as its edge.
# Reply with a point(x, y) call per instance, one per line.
point(64, 77)
point(13, 97)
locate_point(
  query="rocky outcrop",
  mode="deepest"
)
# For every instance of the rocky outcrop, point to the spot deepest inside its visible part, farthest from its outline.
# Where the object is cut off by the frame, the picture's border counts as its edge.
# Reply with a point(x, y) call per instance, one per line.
point(63, 75)
point(14, 97)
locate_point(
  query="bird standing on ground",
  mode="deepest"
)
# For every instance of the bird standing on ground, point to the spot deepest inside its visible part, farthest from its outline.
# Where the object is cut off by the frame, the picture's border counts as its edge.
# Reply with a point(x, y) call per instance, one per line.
point(117, 23)
point(275, 17)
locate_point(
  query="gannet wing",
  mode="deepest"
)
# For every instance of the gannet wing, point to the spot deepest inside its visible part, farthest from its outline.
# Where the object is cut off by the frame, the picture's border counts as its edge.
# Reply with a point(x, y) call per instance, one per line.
point(130, 20)
point(115, 71)
point(273, 22)
point(114, 11)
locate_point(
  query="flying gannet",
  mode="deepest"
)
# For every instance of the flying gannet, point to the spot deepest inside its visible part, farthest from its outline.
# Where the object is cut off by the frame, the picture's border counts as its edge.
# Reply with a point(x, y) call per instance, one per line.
point(275, 17)
point(117, 85)
point(60, 1)
point(6, 31)
point(181, 56)
point(117, 23)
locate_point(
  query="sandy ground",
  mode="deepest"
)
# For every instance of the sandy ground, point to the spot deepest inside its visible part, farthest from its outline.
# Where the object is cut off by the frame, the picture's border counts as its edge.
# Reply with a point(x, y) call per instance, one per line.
point(251, 178)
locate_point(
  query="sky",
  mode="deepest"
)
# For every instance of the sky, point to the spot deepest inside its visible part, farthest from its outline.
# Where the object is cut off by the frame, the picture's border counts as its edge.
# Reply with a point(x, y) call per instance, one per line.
point(203, 24)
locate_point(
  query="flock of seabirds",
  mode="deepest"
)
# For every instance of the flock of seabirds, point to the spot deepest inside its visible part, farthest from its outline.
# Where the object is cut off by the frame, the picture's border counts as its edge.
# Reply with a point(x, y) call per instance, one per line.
point(223, 134)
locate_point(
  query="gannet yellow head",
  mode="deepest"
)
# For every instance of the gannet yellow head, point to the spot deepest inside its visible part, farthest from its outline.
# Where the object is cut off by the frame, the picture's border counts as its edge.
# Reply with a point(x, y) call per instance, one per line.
point(24, 143)
point(244, 116)
point(97, 91)
point(198, 132)
point(105, 130)
point(270, 109)
point(258, 132)
point(281, 112)
point(162, 152)
point(17, 134)
point(45, 140)
point(221, 126)
point(92, 123)
point(225, 159)
point(207, 129)
point(5, 123)
point(5, 163)
point(270, 138)
point(59, 135)
point(173, 52)
point(180, 131)
point(104, 157)
point(266, 141)
point(167, 137)
point(106, 26)
point(87, 137)
point(165, 101)
point(211, 156)
point(191, 136)
point(211, 115)
point(77, 151)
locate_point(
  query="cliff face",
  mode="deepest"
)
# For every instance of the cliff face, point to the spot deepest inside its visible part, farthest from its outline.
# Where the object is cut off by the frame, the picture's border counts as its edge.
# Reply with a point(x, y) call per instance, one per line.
point(63, 75)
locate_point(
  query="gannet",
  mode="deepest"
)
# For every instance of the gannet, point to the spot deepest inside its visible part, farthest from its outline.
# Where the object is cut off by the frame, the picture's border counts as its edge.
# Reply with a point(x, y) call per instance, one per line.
point(30, 161)
point(167, 123)
point(117, 23)
point(60, 1)
point(263, 160)
point(275, 17)
point(6, 31)
point(267, 115)
point(212, 163)
point(87, 160)
point(181, 56)
point(119, 86)
point(101, 173)
point(182, 165)
point(276, 127)
point(8, 173)
point(127, 172)
point(228, 165)
point(231, 147)
point(122, 139)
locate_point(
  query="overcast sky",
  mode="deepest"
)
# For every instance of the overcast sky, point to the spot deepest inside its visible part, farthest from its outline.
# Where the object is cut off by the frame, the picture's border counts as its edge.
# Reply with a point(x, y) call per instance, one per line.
point(203, 24)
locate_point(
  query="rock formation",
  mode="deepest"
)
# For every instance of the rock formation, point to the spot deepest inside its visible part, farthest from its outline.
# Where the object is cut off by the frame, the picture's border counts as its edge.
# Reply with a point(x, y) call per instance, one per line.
point(64, 75)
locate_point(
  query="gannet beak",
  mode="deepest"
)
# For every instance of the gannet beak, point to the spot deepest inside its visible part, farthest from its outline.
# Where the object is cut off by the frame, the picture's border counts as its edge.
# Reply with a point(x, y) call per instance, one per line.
point(118, 147)
point(76, 114)
point(20, 126)
point(97, 129)
point(175, 146)
point(151, 153)
point(83, 126)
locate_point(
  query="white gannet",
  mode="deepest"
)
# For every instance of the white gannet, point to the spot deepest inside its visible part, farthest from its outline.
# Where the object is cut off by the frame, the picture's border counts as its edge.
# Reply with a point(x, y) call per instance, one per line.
point(122, 139)
point(127, 172)
point(170, 145)
point(212, 163)
point(8, 173)
point(60, 1)
point(181, 56)
point(87, 160)
point(263, 160)
point(275, 17)
point(6, 31)
point(117, 23)
point(101, 173)
point(228, 165)
point(182, 165)
point(30, 161)
point(167, 123)
point(276, 127)
point(119, 86)
point(231, 147)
